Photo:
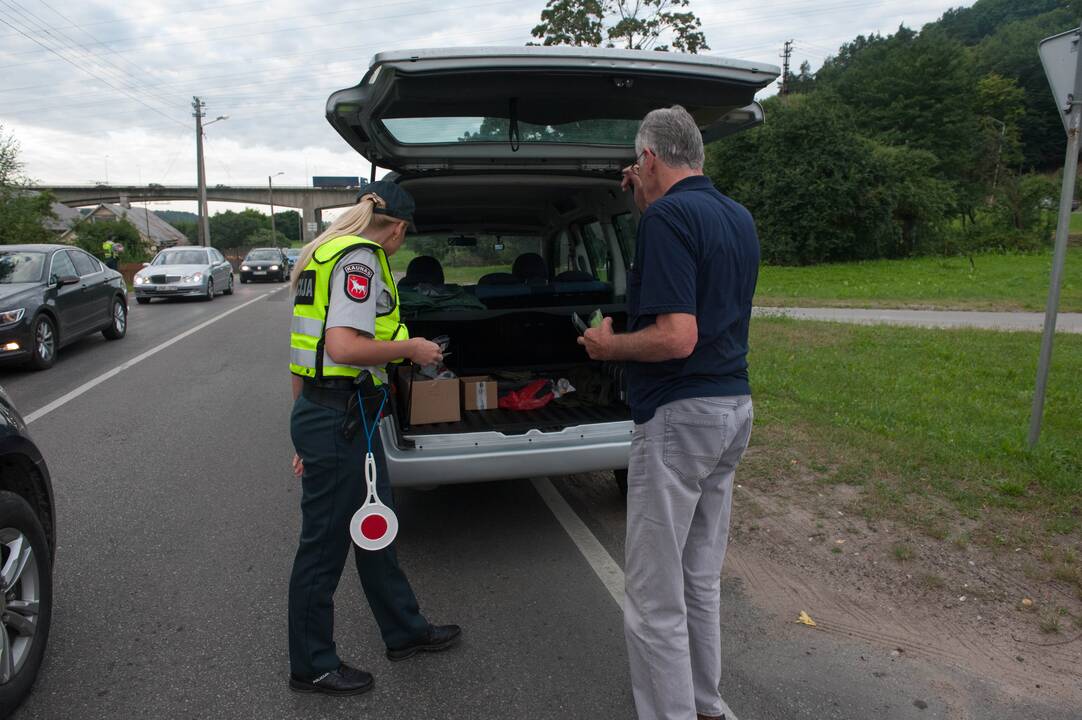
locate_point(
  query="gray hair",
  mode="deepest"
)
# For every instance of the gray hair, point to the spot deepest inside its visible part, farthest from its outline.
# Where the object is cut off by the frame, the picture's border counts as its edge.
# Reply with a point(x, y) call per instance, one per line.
point(671, 133)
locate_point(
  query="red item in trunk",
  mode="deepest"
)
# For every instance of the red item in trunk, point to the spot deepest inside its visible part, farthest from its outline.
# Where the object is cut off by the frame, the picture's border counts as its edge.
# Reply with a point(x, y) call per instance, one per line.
point(536, 395)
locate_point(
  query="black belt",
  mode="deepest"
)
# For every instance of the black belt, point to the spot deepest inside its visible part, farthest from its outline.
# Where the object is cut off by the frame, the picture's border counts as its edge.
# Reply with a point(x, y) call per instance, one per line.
point(336, 398)
point(338, 393)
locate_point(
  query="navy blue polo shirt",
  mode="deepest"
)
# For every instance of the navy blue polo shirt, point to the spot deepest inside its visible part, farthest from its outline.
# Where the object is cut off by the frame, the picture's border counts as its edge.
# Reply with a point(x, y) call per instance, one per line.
point(697, 253)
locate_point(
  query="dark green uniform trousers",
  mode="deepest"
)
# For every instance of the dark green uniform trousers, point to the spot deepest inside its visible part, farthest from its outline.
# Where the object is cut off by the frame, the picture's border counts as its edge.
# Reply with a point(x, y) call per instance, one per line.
point(333, 489)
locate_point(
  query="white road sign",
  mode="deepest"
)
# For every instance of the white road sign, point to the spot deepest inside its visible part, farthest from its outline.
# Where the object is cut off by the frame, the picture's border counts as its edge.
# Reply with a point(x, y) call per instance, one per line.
point(1059, 55)
point(312, 227)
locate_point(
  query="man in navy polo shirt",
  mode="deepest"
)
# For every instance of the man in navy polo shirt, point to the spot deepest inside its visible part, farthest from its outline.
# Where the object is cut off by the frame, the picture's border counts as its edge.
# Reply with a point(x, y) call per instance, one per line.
point(689, 305)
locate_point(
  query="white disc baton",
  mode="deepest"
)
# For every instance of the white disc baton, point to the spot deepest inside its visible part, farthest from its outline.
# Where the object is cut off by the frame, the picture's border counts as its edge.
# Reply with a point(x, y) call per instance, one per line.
point(374, 526)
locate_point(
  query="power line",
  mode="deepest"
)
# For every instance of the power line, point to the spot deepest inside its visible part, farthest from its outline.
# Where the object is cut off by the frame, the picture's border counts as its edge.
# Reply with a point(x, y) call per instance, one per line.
point(293, 28)
point(49, 30)
point(91, 73)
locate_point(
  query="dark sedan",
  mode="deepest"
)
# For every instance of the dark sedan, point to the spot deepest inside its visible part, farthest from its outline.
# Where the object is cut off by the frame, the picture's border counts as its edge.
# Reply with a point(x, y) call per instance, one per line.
point(264, 264)
point(52, 295)
point(27, 544)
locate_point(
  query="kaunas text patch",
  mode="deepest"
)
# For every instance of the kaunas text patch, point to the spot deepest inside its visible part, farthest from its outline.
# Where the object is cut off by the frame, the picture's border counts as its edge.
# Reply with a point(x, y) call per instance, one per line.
point(358, 281)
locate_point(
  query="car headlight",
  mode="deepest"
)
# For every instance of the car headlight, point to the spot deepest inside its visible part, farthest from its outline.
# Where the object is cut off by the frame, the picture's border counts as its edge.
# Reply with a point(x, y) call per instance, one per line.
point(274, 267)
point(193, 278)
point(139, 280)
point(12, 316)
point(245, 267)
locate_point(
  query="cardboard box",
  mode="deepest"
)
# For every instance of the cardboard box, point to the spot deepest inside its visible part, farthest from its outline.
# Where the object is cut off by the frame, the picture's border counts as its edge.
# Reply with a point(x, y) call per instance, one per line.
point(479, 393)
point(430, 401)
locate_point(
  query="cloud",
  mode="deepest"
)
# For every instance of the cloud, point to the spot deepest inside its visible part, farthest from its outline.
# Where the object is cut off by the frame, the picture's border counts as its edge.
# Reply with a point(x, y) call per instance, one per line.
point(126, 89)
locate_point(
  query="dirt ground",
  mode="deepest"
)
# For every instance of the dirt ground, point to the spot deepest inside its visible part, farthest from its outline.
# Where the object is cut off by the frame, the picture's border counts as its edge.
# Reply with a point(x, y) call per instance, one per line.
point(963, 607)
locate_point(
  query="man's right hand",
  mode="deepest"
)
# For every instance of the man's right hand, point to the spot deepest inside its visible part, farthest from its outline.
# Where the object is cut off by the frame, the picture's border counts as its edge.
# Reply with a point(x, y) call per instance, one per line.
point(424, 352)
point(632, 181)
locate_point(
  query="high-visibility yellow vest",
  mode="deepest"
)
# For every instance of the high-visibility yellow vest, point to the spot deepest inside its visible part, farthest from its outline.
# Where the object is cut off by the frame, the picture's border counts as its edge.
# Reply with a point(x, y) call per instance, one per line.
point(107, 248)
point(310, 303)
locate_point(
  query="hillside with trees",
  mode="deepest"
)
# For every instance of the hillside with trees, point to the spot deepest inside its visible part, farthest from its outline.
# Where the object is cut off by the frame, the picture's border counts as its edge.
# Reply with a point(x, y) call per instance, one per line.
point(944, 139)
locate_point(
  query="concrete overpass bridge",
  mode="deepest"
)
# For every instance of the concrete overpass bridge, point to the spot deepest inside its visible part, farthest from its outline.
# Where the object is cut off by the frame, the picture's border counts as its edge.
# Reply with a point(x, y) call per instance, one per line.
point(311, 201)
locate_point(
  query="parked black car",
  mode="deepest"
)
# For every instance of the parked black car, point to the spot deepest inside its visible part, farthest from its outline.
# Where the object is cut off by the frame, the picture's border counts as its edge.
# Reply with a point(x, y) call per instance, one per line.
point(27, 548)
point(52, 295)
point(264, 264)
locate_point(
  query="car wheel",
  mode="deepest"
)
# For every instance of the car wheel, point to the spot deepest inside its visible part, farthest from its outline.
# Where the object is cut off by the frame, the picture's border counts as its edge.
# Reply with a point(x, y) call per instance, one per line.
point(26, 584)
point(229, 287)
point(44, 343)
point(119, 325)
point(621, 481)
point(210, 289)
point(243, 280)
point(142, 301)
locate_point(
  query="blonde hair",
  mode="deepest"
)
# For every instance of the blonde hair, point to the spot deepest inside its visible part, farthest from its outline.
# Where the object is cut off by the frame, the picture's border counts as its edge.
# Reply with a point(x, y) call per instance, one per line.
point(353, 221)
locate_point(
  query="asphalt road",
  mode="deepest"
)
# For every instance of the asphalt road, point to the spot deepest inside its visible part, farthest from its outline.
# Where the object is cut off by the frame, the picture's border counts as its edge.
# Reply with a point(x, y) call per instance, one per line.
point(177, 522)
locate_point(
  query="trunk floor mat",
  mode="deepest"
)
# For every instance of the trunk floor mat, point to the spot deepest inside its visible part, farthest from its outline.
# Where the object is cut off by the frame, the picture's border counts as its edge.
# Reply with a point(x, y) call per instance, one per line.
point(553, 417)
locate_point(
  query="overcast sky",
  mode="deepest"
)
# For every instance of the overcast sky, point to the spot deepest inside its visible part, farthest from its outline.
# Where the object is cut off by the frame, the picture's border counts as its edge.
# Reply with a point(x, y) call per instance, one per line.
point(94, 93)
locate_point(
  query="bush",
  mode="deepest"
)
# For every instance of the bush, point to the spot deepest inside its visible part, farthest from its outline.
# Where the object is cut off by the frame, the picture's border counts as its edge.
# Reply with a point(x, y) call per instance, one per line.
point(91, 234)
point(820, 192)
point(263, 238)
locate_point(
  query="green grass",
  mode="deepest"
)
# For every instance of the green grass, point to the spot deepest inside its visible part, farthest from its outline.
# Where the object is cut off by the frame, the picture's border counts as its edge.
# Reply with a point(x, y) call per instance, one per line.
point(931, 423)
point(461, 275)
point(1076, 223)
point(993, 282)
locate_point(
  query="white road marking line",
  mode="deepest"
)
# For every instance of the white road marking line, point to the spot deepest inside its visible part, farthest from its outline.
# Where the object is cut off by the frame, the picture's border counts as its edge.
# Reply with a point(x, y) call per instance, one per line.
point(606, 569)
point(610, 574)
point(90, 384)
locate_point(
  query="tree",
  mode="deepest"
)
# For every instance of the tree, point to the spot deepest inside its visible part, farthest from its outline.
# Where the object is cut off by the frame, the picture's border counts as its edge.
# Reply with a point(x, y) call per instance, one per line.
point(288, 223)
point(23, 212)
point(91, 234)
point(804, 81)
point(232, 229)
point(263, 238)
point(634, 25)
point(821, 192)
point(190, 228)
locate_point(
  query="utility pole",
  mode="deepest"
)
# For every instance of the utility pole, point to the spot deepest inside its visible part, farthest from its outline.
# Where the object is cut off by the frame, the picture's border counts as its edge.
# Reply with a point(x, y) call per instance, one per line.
point(786, 53)
point(204, 225)
point(270, 191)
point(204, 219)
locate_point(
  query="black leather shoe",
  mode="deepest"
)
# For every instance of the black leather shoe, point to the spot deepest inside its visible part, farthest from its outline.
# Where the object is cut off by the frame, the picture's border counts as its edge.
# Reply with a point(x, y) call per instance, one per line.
point(345, 680)
point(440, 637)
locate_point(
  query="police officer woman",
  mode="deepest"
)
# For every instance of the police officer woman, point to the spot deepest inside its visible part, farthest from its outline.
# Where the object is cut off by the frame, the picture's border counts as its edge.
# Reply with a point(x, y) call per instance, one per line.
point(345, 331)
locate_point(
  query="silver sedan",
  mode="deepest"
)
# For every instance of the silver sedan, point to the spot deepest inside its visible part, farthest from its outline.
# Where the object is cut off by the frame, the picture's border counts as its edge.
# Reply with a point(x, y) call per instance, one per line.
point(184, 272)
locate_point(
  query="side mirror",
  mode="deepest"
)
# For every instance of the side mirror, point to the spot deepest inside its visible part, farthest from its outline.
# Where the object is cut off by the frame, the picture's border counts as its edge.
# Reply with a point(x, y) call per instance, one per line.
point(63, 280)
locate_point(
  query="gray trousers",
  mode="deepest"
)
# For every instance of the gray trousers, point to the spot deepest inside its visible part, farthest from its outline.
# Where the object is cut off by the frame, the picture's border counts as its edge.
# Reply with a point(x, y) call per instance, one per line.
point(680, 490)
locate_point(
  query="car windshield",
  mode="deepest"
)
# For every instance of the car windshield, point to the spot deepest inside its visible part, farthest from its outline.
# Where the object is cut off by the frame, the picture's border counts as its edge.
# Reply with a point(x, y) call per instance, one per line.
point(21, 267)
point(446, 130)
point(263, 255)
point(293, 253)
point(466, 264)
point(181, 257)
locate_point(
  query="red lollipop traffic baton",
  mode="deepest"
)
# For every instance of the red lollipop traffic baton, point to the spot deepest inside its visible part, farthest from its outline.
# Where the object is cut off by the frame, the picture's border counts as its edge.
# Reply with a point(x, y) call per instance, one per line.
point(374, 526)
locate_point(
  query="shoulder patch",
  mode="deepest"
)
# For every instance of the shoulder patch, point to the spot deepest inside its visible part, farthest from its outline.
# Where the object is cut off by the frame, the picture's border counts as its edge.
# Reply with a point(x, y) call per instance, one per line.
point(358, 281)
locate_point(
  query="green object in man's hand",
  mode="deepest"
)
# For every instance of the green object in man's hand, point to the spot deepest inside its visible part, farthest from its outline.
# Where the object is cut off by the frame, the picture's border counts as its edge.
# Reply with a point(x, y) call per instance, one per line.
point(596, 319)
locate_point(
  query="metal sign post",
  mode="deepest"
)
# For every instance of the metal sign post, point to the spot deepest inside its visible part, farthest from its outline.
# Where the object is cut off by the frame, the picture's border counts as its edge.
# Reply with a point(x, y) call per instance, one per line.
point(1063, 65)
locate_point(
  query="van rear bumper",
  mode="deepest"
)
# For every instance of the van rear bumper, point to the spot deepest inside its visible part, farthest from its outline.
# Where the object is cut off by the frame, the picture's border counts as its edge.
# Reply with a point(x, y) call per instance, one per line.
point(477, 457)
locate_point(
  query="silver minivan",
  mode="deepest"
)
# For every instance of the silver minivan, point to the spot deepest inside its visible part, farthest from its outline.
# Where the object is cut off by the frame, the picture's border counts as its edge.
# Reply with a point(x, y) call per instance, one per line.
point(514, 158)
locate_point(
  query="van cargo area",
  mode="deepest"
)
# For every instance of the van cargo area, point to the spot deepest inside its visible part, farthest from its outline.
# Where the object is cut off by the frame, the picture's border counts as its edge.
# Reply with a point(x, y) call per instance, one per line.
point(513, 347)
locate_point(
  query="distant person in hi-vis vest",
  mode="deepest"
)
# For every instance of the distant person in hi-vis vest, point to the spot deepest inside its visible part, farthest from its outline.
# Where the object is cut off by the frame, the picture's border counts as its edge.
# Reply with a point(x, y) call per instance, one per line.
point(345, 332)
